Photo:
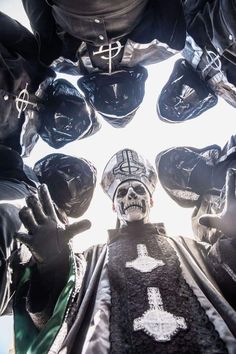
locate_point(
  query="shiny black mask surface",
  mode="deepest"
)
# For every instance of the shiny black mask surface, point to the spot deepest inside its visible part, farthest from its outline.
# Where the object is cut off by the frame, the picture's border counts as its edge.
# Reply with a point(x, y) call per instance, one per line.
point(115, 96)
point(185, 96)
point(71, 181)
point(66, 115)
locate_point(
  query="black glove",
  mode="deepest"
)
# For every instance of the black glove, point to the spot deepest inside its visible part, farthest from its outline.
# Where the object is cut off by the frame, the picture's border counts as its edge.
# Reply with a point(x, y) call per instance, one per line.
point(226, 220)
point(47, 237)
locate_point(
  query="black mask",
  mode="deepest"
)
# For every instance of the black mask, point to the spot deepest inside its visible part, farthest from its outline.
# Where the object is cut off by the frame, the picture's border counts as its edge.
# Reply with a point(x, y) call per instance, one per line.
point(115, 96)
point(66, 116)
point(185, 96)
point(70, 180)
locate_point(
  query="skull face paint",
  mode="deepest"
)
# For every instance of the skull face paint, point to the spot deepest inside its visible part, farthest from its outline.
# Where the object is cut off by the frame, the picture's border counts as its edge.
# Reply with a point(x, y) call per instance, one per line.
point(132, 202)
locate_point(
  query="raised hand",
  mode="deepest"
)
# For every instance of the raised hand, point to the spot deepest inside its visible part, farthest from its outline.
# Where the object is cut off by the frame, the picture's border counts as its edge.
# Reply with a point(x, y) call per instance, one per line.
point(47, 237)
point(226, 220)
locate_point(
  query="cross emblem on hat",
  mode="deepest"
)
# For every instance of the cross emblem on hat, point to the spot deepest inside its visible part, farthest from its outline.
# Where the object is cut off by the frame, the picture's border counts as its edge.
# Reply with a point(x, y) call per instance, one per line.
point(128, 164)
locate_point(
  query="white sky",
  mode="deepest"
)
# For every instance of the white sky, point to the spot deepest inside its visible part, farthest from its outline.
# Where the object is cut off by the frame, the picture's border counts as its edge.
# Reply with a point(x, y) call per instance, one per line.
point(145, 134)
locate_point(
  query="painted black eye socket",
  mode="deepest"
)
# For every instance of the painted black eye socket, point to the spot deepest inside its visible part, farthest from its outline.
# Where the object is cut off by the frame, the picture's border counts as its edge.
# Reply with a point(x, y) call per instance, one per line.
point(122, 192)
point(140, 190)
point(137, 189)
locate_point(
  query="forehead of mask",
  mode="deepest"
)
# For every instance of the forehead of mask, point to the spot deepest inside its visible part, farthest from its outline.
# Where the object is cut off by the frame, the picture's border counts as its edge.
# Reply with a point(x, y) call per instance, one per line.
point(115, 94)
point(74, 178)
point(132, 201)
point(185, 95)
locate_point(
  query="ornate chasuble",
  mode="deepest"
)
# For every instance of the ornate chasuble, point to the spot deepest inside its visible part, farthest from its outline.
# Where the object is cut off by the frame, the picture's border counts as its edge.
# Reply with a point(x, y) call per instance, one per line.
point(153, 309)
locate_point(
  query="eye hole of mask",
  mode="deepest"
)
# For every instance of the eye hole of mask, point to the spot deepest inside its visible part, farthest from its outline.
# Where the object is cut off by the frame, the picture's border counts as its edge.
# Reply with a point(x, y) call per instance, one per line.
point(139, 190)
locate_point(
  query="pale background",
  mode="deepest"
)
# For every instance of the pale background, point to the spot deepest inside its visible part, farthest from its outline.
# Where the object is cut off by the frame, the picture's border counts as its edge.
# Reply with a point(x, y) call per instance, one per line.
point(146, 134)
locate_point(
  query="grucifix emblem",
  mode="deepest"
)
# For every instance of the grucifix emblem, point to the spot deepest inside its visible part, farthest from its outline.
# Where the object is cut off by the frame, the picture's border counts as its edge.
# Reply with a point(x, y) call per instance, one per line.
point(213, 61)
point(128, 164)
point(161, 325)
point(112, 50)
point(144, 263)
point(22, 101)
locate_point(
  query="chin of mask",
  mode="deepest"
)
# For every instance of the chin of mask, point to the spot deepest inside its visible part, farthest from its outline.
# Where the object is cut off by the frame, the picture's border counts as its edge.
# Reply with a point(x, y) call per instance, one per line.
point(132, 202)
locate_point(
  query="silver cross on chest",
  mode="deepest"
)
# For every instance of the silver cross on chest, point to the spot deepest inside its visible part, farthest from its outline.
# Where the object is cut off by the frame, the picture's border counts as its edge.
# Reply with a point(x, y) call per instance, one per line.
point(156, 322)
point(22, 101)
point(144, 263)
point(112, 50)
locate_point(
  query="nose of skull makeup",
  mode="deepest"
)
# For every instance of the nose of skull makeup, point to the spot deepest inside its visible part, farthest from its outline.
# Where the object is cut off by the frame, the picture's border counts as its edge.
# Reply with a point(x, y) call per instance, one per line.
point(132, 202)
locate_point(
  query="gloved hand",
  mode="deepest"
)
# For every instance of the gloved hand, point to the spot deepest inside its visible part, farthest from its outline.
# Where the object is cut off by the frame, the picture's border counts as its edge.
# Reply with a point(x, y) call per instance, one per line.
point(47, 237)
point(226, 220)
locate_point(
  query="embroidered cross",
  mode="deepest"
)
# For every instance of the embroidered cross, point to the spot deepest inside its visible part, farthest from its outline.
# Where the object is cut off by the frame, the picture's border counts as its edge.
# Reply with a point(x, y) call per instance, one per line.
point(112, 51)
point(156, 322)
point(144, 263)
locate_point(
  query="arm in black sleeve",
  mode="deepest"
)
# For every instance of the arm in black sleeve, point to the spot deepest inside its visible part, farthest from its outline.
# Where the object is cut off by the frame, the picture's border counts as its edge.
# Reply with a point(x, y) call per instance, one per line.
point(45, 288)
point(43, 25)
point(16, 38)
point(221, 259)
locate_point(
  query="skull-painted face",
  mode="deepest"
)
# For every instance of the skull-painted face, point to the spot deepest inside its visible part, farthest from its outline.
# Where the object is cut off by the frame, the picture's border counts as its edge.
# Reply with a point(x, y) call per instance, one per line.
point(132, 202)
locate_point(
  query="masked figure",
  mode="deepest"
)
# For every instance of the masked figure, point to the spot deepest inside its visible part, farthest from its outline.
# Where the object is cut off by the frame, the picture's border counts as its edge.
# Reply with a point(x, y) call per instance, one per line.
point(17, 181)
point(20, 75)
point(75, 178)
point(140, 292)
point(195, 178)
point(65, 115)
point(109, 38)
point(32, 100)
point(117, 96)
point(210, 50)
point(185, 96)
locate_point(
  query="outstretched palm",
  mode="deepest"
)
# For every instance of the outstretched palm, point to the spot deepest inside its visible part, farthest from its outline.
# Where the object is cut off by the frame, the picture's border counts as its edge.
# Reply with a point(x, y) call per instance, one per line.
point(47, 237)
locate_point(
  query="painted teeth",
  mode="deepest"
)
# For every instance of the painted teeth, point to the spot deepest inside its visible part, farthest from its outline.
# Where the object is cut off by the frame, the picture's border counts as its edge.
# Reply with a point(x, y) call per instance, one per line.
point(134, 206)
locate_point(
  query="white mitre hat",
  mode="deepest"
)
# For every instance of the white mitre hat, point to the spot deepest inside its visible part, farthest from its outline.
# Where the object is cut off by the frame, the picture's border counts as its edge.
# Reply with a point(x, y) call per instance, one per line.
point(126, 165)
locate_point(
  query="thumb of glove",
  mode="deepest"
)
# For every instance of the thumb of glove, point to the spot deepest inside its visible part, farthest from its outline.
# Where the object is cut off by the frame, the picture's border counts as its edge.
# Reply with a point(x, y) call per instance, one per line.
point(212, 221)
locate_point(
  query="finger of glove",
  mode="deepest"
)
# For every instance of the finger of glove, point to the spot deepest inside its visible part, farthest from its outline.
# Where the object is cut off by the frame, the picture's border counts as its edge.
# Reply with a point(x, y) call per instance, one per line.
point(28, 220)
point(76, 228)
point(211, 221)
point(230, 185)
point(37, 209)
point(24, 238)
point(47, 202)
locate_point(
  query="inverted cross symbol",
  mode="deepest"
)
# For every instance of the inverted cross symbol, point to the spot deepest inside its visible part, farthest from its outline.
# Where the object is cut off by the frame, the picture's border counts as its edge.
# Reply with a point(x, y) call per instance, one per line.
point(129, 165)
point(144, 263)
point(22, 101)
point(112, 51)
point(156, 322)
